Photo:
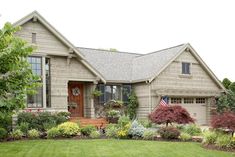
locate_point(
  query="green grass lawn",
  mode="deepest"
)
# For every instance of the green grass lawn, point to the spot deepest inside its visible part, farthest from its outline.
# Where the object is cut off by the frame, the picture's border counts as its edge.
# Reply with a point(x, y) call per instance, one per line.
point(105, 148)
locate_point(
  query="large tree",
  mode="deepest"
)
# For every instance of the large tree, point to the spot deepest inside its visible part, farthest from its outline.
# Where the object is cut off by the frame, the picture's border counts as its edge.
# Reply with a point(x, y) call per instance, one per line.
point(16, 77)
point(226, 102)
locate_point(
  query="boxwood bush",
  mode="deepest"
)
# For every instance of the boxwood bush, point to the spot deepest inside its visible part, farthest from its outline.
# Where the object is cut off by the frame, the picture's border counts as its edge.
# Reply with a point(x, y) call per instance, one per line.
point(87, 130)
point(169, 132)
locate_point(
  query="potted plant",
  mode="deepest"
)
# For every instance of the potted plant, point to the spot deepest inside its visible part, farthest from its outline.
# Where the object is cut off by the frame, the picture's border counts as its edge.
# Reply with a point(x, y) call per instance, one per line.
point(113, 116)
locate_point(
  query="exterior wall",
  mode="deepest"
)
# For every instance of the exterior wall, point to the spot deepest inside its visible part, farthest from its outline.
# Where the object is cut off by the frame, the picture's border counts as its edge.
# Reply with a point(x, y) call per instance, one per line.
point(199, 83)
point(172, 83)
point(62, 68)
point(46, 42)
point(61, 74)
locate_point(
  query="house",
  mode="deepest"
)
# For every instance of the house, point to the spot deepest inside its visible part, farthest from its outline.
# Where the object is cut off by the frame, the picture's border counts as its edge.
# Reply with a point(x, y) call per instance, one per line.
point(70, 74)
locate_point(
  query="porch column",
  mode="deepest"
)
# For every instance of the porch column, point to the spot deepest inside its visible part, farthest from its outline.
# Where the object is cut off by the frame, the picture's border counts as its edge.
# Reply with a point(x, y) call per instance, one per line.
point(93, 87)
point(44, 83)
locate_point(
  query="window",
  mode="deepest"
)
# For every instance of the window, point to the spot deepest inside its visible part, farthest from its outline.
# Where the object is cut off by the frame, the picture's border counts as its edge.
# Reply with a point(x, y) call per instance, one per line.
point(34, 40)
point(185, 68)
point(200, 100)
point(113, 92)
point(175, 100)
point(126, 90)
point(48, 83)
point(188, 100)
point(35, 101)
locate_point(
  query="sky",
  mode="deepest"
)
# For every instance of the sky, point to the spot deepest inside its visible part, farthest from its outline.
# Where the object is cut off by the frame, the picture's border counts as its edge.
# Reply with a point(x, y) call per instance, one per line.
point(141, 26)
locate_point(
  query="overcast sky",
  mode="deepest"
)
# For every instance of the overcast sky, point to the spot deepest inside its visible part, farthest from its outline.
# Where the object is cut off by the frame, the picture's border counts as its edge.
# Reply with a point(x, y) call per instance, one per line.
point(141, 26)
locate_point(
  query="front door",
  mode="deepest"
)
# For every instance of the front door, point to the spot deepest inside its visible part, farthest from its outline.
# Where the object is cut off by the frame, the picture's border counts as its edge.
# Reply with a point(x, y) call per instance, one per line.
point(75, 99)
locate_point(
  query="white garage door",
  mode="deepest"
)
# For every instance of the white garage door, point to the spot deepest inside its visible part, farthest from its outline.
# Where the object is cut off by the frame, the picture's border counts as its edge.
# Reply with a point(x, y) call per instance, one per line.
point(195, 106)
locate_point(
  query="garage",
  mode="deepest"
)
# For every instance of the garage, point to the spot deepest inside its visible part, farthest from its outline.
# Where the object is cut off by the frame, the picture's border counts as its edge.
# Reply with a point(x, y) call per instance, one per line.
point(195, 106)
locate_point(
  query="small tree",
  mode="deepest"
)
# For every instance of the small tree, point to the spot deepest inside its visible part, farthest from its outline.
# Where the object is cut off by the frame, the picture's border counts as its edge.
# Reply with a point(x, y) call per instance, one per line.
point(226, 102)
point(225, 120)
point(171, 114)
point(16, 78)
point(132, 105)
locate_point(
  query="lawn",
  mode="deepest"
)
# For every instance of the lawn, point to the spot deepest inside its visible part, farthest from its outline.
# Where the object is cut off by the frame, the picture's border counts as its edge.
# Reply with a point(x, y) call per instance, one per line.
point(105, 148)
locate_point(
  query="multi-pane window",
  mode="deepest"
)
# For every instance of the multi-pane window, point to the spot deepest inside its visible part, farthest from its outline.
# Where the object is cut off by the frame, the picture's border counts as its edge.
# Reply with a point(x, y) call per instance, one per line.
point(185, 68)
point(36, 66)
point(188, 100)
point(200, 100)
point(48, 83)
point(176, 100)
point(113, 92)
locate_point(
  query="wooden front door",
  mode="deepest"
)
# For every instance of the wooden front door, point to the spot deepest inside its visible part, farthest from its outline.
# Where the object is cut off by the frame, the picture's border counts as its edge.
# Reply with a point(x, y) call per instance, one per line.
point(75, 99)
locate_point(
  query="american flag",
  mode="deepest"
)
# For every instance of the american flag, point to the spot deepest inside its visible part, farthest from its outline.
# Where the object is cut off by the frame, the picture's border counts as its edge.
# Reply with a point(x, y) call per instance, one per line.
point(163, 103)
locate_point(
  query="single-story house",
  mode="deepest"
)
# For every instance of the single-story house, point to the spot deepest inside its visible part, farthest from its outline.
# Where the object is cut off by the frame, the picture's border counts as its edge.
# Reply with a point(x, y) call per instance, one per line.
point(70, 74)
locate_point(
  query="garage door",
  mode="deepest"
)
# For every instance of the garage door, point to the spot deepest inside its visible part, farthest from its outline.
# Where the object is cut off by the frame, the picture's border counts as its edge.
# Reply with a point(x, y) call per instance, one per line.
point(195, 106)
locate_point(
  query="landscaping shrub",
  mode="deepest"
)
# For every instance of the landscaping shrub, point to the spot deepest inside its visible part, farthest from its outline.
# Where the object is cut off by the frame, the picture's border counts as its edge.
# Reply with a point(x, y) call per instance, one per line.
point(209, 137)
point(193, 130)
point(68, 129)
point(136, 129)
point(95, 134)
point(123, 121)
point(49, 125)
point(132, 105)
point(6, 122)
point(16, 134)
point(33, 134)
point(185, 136)
point(169, 132)
point(43, 120)
point(3, 133)
point(111, 130)
point(224, 141)
point(145, 122)
point(123, 131)
point(171, 114)
point(149, 134)
point(53, 133)
point(87, 130)
point(24, 127)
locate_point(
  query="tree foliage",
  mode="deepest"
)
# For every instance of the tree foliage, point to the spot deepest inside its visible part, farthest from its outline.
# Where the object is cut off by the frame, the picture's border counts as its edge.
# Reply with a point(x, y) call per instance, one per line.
point(232, 87)
point(225, 120)
point(226, 82)
point(226, 102)
point(132, 105)
point(16, 78)
point(171, 114)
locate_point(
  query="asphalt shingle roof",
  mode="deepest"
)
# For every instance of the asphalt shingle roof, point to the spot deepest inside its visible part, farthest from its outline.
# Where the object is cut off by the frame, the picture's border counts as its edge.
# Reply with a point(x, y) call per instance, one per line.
point(128, 67)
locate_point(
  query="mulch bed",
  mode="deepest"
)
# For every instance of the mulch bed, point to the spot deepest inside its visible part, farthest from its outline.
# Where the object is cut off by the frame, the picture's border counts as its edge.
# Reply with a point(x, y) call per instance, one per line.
point(214, 147)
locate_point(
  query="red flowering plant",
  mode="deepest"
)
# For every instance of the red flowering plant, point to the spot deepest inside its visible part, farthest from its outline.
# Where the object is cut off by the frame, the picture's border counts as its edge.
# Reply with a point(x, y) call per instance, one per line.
point(225, 120)
point(171, 114)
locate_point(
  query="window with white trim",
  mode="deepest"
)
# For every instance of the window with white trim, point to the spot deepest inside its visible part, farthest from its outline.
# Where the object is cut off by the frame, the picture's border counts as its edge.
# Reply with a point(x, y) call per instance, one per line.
point(200, 100)
point(188, 100)
point(35, 101)
point(186, 68)
point(176, 100)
